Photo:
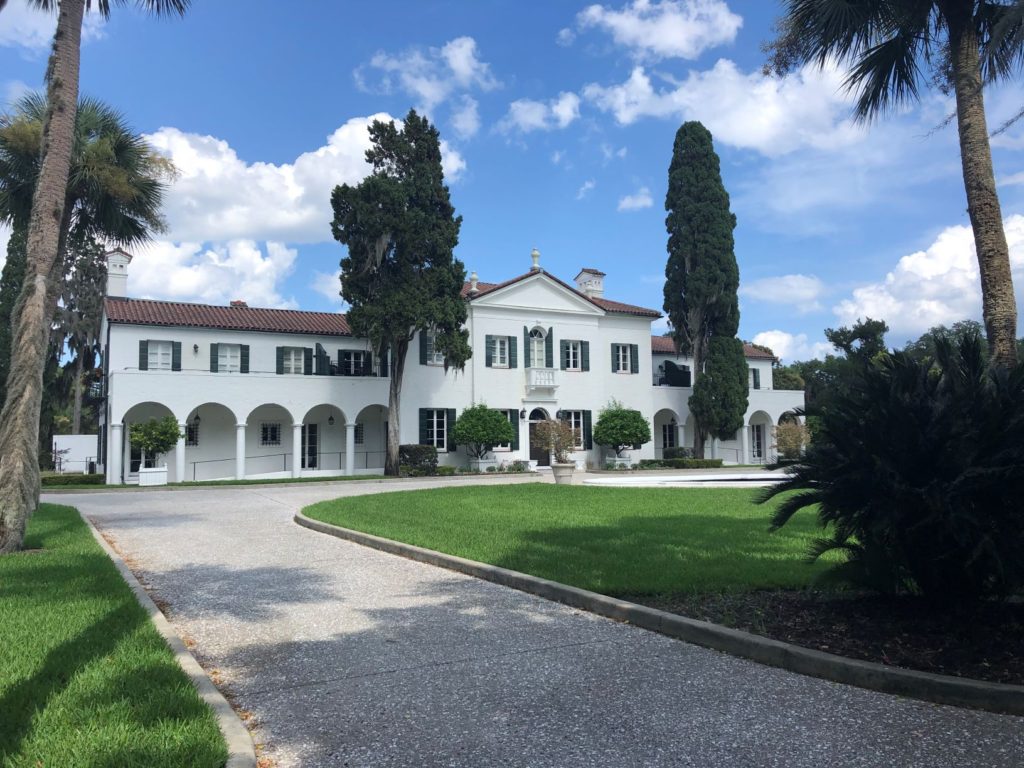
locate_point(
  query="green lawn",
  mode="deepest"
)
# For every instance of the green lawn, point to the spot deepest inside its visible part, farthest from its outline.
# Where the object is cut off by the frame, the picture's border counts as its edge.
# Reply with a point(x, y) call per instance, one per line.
point(85, 679)
point(610, 540)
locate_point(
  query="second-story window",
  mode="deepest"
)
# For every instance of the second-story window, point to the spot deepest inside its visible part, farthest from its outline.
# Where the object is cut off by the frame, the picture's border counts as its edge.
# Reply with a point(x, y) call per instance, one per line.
point(432, 355)
point(159, 355)
point(354, 363)
point(229, 358)
point(621, 361)
point(501, 351)
point(293, 357)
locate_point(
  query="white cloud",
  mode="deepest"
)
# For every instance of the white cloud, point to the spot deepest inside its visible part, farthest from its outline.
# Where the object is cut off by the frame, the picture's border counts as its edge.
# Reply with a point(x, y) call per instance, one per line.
point(608, 152)
point(22, 26)
point(328, 285)
point(565, 37)
point(238, 269)
point(5, 235)
point(585, 188)
point(790, 347)
point(938, 285)
point(771, 115)
point(452, 161)
point(430, 75)
point(557, 157)
point(798, 292)
point(667, 29)
point(641, 199)
point(13, 90)
point(466, 117)
point(526, 115)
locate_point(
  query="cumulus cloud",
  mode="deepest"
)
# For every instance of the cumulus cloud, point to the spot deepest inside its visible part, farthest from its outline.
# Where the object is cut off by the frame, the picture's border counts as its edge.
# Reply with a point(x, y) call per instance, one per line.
point(936, 286)
point(667, 29)
point(771, 115)
point(526, 115)
point(585, 188)
point(801, 293)
point(608, 152)
point(237, 269)
point(466, 118)
point(641, 199)
point(790, 347)
point(565, 37)
point(431, 76)
point(328, 285)
point(22, 26)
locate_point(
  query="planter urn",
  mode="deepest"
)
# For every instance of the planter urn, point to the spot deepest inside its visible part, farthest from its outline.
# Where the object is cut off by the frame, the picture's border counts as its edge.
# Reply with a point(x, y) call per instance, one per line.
point(153, 476)
point(563, 473)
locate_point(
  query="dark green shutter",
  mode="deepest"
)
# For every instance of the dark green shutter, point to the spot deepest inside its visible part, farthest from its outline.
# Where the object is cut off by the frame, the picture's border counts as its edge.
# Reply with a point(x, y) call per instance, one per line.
point(368, 364)
point(634, 358)
point(307, 361)
point(280, 359)
point(757, 378)
point(424, 419)
point(585, 355)
point(243, 364)
point(563, 350)
point(512, 362)
point(588, 432)
point(449, 426)
point(513, 417)
point(213, 358)
point(423, 347)
point(175, 355)
point(549, 349)
point(615, 362)
point(488, 351)
point(527, 362)
point(344, 361)
point(144, 355)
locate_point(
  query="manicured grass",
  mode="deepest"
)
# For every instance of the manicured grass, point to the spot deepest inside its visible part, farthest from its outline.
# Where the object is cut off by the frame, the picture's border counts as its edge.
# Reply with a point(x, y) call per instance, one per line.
point(85, 679)
point(611, 540)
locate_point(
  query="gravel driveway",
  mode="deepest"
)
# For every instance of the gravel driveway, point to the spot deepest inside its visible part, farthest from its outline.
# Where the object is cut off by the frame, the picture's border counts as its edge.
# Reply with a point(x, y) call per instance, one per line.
point(346, 656)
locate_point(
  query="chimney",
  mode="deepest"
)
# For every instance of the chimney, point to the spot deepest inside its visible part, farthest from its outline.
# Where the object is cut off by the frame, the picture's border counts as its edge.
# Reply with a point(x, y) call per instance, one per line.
point(590, 282)
point(535, 256)
point(239, 303)
point(473, 280)
point(117, 272)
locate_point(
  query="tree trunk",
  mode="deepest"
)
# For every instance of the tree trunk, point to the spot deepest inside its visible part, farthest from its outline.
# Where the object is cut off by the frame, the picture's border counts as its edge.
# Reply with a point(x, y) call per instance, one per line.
point(999, 307)
point(698, 370)
point(76, 412)
point(398, 353)
point(19, 420)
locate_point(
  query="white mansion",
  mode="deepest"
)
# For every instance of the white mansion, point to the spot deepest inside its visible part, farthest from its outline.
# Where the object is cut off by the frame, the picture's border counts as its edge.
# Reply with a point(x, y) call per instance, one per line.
point(276, 393)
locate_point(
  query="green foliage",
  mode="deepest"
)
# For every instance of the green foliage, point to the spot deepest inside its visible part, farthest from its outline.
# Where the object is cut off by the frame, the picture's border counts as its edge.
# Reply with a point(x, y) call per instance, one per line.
point(916, 471)
point(787, 377)
point(11, 279)
point(418, 460)
point(668, 463)
point(791, 437)
point(678, 453)
point(555, 437)
point(48, 481)
point(480, 428)
point(719, 399)
point(619, 428)
point(156, 436)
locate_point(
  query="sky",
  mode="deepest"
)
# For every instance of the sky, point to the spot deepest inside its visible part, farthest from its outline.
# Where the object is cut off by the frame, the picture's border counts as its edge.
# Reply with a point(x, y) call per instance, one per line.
point(557, 120)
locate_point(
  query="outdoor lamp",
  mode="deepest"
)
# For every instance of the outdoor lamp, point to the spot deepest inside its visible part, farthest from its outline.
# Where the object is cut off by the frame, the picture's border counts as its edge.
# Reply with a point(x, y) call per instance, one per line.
point(330, 420)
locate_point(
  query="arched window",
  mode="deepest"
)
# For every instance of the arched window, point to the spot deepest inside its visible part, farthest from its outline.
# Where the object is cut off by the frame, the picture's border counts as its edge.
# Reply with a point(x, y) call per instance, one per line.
point(537, 347)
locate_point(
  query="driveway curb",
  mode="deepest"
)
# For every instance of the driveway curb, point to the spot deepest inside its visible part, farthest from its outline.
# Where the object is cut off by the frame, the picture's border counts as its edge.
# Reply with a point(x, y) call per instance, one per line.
point(940, 689)
point(241, 752)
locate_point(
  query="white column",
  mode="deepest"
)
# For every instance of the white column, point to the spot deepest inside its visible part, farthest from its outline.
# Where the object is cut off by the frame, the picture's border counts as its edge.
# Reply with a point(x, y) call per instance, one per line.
point(115, 449)
point(350, 447)
point(179, 455)
point(296, 450)
point(239, 451)
point(680, 435)
point(745, 444)
point(524, 439)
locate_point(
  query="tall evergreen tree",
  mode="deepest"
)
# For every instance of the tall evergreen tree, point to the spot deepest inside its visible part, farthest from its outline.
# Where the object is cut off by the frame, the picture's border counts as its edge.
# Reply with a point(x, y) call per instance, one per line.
point(10, 286)
point(719, 399)
point(400, 276)
point(702, 279)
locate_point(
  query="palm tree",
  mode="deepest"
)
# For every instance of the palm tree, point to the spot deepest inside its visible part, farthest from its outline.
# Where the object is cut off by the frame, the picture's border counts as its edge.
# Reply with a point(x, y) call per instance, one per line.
point(19, 419)
point(892, 46)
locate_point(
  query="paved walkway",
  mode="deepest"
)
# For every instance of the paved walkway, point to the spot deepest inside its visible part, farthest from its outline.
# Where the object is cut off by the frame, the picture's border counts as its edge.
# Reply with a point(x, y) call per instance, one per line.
point(350, 657)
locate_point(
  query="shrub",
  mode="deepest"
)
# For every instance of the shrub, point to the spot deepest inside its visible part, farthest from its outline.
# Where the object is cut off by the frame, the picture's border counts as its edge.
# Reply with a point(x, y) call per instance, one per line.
point(916, 471)
point(790, 439)
point(51, 480)
point(619, 428)
point(447, 471)
point(556, 437)
point(156, 436)
point(480, 428)
point(678, 453)
point(417, 460)
point(515, 466)
point(679, 463)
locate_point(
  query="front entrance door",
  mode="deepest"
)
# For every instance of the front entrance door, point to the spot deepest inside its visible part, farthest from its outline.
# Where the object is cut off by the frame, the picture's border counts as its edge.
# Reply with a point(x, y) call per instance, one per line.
point(310, 446)
point(541, 455)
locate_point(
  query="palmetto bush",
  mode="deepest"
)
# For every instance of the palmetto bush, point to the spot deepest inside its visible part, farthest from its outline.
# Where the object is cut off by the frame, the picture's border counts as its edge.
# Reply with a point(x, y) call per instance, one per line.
point(918, 474)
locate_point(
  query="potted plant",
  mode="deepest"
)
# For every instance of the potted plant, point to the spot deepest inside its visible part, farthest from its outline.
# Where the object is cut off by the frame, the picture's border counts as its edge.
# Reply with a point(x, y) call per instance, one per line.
point(154, 438)
point(558, 438)
point(479, 429)
point(619, 428)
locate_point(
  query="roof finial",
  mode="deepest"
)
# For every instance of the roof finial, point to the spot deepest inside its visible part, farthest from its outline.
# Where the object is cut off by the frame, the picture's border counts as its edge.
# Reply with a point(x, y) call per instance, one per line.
point(473, 280)
point(535, 255)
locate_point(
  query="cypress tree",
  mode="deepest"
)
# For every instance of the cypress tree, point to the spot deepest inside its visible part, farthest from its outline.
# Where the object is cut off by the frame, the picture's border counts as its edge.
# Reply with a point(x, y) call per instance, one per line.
point(10, 286)
point(701, 283)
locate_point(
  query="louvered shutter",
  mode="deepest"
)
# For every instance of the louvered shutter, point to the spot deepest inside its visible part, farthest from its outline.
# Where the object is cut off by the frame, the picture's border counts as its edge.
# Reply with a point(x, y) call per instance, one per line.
point(243, 362)
point(307, 361)
point(512, 362)
point(634, 358)
point(588, 432)
point(549, 349)
point(449, 426)
point(526, 348)
point(615, 362)
point(563, 353)
point(280, 359)
point(488, 351)
point(175, 355)
point(345, 361)
point(144, 355)
point(214, 352)
point(513, 417)
point(423, 347)
point(368, 364)
point(585, 355)
point(424, 420)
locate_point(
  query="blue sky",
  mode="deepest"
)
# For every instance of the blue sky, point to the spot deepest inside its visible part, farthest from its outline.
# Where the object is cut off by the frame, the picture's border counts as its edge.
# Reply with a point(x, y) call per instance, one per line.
point(558, 125)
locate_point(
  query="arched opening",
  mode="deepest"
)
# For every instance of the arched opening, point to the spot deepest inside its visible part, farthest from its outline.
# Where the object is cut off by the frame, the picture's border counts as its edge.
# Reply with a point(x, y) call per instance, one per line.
point(322, 438)
point(761, 438)
point(210, 442)
point(540, 455)
point(370, 441)
point(666, 432)
point(132, 458)
point(269, 443)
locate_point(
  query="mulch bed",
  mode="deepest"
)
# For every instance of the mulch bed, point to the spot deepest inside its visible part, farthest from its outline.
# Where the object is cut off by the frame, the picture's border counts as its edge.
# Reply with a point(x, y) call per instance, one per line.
point(985, 642)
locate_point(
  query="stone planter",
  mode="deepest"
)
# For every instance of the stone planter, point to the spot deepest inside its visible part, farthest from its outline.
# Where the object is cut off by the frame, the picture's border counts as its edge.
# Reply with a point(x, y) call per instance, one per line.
point(563, 473)
point(481, 465)
point(625, 461)
point(153, 476)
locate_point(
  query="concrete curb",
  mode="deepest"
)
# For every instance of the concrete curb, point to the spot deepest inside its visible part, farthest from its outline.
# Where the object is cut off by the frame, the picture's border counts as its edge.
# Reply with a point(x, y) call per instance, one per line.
point(941, 689)
point(241, 752)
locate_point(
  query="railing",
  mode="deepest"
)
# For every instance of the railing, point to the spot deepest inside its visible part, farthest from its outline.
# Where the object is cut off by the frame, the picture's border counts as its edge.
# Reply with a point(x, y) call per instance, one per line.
point(361, 460)
point(540, 378)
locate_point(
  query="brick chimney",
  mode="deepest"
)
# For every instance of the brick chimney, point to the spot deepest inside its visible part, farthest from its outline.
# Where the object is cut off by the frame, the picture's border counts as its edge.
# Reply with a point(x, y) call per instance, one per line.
point(239, 303)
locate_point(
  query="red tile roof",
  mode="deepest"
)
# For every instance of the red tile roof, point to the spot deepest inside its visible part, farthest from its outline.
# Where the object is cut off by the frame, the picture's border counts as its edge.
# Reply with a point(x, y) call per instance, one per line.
point(234, 318)
point(664, 345)
point(606, 304)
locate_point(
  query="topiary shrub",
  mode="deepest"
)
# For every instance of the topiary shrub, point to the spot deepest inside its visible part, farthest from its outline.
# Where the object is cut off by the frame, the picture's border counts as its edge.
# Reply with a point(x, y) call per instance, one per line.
point(156, 436)
point(916, 471)
point(480, 428)
point(620, 428)
point(417, 460)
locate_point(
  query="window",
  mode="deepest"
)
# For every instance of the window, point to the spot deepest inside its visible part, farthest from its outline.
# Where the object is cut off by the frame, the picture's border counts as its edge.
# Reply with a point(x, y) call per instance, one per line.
point(513, 417)
point(191, 435)
point(229, 358)
point(573, 356)
point(575, 420)
point(293, 359)
point(354, 363)
point(500, 358)
point(621, 361)
point(538, 348)
point(360, 434)
point(668, 435)
point(432, 355)
point(270, 433)
point(755, 378)
point(436, 428)
point(159, 355)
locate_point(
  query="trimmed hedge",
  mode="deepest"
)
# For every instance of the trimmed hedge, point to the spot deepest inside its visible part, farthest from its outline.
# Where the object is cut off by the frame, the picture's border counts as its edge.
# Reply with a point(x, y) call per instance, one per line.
point(417, 460)
point(680, 463)
point(50, 480)
point(678, 453)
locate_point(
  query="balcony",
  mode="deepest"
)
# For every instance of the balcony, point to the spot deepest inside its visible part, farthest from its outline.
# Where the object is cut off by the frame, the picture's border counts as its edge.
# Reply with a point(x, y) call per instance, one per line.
point(541, 381)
